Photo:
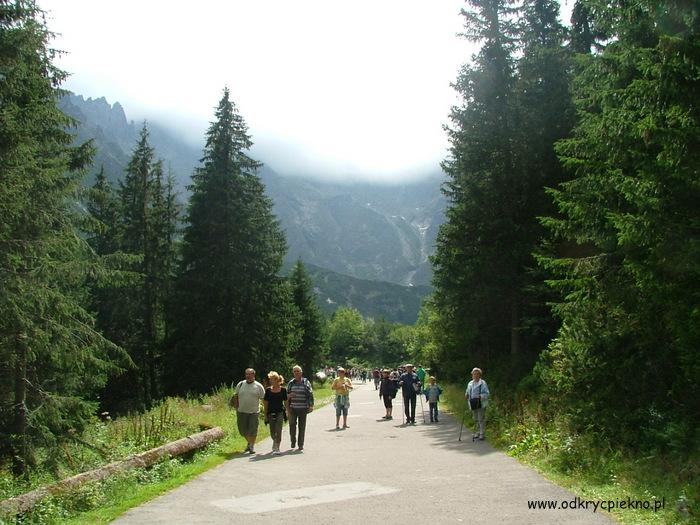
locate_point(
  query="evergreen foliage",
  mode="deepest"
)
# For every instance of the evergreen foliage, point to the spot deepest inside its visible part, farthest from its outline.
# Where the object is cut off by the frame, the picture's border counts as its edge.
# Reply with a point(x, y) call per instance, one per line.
point(310, 324)
point(134, 229)
point(488, 288)
point(473, 260)
point(626, 360)
point(54, 361)
point(231, 309)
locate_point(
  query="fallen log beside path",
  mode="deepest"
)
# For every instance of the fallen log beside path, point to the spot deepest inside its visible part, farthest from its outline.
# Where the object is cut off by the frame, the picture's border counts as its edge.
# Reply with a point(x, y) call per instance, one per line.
point(25, 502)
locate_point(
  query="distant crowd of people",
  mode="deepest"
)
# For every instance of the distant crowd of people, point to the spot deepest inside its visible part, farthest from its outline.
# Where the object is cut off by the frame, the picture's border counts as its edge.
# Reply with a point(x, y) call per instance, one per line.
point(295, 400)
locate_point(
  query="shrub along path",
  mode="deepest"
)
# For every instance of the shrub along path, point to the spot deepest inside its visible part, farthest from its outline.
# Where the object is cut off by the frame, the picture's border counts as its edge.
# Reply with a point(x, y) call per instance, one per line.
point(376, 470)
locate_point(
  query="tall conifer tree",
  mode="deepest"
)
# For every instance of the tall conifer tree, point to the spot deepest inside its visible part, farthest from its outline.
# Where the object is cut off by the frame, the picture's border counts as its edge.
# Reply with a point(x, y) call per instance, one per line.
point(231, 307)
point(53, 359)
point(631, 287)
point(131, 311)
point(545, 114)
point(310, 323)
point(476, 262)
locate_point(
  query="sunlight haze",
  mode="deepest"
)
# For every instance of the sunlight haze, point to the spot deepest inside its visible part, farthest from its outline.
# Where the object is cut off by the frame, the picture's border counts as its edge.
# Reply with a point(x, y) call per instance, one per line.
point(328, 89)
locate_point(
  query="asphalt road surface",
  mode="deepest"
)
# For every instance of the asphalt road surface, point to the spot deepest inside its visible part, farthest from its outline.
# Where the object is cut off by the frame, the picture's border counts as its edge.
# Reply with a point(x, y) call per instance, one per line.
point(376, 471)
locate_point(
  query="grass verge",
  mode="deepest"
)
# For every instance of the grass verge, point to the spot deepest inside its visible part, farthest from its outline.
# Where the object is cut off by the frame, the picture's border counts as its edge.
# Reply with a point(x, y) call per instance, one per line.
point(102, 501)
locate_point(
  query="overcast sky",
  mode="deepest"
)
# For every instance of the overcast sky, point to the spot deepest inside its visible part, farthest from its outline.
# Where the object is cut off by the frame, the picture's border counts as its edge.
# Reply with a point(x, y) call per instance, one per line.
point(355, 89)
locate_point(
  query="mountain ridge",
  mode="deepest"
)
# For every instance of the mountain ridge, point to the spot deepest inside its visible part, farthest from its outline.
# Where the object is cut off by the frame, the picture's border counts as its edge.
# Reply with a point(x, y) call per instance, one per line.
point(369, 231)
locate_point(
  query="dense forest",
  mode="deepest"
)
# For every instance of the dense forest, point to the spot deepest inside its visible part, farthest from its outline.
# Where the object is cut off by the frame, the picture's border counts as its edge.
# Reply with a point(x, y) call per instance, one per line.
point(568, 267)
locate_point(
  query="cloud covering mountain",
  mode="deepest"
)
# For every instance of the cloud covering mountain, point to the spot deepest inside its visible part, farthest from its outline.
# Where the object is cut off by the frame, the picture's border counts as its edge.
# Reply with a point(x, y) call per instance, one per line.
point(378, 232)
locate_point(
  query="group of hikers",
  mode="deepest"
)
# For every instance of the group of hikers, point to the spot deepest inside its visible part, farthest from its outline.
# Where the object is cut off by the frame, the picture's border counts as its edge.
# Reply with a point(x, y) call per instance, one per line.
point(295, 401)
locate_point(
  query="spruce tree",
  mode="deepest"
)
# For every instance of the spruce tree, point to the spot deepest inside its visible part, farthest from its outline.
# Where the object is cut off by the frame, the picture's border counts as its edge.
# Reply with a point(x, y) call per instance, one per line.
point(311, 322)
point(625, 362)
point(488, 285)
point(132, 311)
point(231, 308)
point(53, 359)
point(103, 207)
point(545, 114)
point(476, 260)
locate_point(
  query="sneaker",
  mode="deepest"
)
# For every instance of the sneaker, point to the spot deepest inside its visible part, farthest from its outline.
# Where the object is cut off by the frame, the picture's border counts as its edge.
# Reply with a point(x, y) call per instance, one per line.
point(252, 450)
point(301, 448)
point(247, 448)
point(276, 452)
point(389, 417)
point(346, 426)
point(293, 444)
point(337, 428)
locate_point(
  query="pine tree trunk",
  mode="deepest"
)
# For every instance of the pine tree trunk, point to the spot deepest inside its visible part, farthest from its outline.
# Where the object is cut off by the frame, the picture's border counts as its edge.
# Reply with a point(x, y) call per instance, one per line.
point(20, 449)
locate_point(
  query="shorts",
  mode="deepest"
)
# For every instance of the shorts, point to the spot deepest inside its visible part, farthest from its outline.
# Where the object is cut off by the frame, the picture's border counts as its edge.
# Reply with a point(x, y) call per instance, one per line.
point(247, 424)
point(341, 410)
point(387, 402)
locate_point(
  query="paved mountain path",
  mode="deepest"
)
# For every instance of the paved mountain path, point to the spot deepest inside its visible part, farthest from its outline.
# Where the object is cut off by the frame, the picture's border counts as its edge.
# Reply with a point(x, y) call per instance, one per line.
point(375, 471)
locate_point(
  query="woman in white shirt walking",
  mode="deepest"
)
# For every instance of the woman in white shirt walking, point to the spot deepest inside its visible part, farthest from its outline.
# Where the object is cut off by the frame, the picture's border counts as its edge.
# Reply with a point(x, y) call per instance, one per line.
point(477, 395)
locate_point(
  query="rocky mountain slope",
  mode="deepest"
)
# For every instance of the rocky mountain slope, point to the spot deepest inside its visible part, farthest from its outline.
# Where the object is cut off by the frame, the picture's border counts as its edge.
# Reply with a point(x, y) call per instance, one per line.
point(372, 232)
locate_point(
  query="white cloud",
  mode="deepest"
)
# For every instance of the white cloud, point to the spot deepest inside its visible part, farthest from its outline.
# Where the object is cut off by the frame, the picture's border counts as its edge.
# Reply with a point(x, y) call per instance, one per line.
point(327, 87)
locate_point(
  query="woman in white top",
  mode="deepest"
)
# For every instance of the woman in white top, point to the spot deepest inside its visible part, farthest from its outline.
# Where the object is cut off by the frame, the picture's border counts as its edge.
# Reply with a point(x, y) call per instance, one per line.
point(477, 395)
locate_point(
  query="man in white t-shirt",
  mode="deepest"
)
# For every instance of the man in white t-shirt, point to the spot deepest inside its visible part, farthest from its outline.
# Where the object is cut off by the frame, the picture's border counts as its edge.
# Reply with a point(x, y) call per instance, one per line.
point(246, 400)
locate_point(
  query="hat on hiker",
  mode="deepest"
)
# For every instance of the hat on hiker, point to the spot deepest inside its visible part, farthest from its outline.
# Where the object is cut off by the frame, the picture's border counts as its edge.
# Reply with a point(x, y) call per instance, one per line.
point(341, 369)
point(408, 364)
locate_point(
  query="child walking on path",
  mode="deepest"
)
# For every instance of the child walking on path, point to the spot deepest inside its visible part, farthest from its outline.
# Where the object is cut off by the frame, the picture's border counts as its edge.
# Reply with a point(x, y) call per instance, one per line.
point(432, 395)
point(275, 411)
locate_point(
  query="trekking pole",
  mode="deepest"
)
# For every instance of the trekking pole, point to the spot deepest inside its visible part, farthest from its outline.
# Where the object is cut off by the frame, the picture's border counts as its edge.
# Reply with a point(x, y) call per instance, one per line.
point(403, 410)
point(421, 406)
point(461, 427)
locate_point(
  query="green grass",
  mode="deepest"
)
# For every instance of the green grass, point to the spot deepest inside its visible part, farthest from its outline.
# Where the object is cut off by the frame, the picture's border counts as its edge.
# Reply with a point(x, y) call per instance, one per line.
point(589, 468)
point(103, 501)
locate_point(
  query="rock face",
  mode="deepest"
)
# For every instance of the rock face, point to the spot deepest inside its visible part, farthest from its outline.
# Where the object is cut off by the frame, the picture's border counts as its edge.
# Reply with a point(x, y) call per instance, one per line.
point(115, 138)
point(367, 231)
point(375, 232)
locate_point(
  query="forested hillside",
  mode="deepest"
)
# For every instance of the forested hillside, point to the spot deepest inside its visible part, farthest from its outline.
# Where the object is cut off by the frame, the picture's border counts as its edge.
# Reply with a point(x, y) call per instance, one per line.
point(569, 266)
point(374, 299)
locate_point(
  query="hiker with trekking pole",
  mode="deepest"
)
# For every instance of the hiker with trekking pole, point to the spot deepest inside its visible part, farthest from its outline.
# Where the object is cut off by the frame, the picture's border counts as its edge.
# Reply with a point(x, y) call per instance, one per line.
point(477, 394)
point(410, 386)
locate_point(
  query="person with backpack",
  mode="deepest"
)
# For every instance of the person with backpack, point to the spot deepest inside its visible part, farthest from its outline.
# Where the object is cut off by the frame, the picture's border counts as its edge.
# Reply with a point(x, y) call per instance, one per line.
point(410, 386)
point(300, 403)
point(477, 395)
point(387, 391)
point(246, 400)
